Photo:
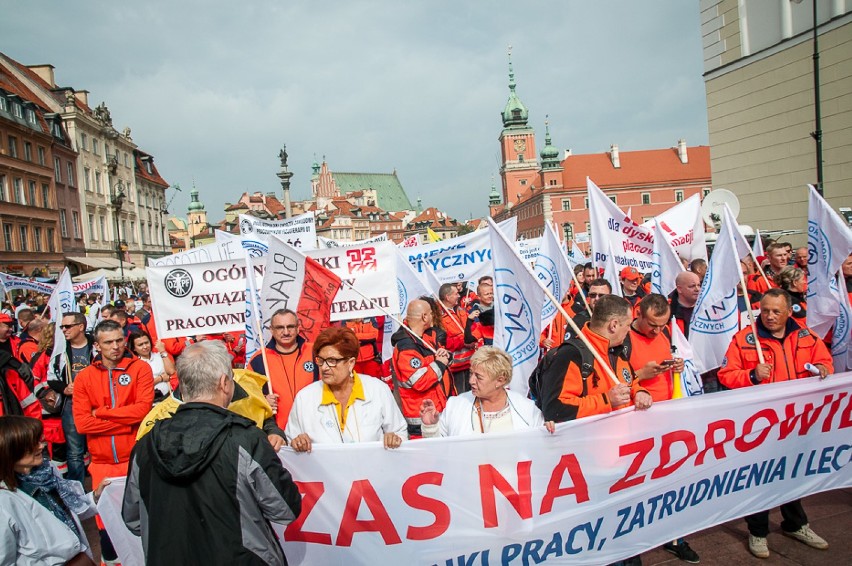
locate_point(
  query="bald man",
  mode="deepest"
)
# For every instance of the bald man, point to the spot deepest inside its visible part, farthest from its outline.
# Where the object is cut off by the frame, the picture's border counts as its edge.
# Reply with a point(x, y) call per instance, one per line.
point(801, 259)
point(420, 370)
point(684, 297)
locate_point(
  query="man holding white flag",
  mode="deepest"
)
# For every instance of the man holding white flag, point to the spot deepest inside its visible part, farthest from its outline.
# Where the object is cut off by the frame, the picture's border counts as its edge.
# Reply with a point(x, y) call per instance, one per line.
point(829, 244)
point(518, 301)
point(552, 269)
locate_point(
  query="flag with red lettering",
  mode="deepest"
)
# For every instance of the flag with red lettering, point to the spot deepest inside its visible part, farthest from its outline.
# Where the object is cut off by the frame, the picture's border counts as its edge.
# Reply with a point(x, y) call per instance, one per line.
point(667, 265)
point(612, 272)
point(294, 281)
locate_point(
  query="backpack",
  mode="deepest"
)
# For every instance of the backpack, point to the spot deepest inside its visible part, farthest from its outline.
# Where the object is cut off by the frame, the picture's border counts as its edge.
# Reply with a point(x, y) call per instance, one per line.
point(587, 367)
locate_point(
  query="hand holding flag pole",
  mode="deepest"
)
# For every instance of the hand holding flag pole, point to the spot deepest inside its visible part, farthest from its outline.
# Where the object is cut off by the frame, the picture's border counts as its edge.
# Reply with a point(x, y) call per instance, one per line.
point(258, 327)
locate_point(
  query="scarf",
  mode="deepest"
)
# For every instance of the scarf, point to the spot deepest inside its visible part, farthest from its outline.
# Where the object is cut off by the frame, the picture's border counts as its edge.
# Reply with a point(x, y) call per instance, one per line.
point(56, 494)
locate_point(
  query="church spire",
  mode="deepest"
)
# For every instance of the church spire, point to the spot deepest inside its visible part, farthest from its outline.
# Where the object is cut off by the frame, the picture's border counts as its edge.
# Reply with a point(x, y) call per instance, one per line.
point(515, 113)
point(549, 153)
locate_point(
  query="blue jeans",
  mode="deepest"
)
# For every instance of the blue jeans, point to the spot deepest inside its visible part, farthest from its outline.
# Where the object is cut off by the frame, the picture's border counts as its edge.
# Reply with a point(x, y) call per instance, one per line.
point(75, 444)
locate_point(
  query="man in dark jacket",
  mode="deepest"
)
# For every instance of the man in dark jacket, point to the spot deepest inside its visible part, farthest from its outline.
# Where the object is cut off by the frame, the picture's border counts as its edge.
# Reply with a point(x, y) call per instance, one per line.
point(174, 497)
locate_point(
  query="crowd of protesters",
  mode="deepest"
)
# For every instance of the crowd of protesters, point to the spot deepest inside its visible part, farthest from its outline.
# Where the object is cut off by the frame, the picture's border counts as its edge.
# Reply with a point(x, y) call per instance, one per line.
point(82, 412)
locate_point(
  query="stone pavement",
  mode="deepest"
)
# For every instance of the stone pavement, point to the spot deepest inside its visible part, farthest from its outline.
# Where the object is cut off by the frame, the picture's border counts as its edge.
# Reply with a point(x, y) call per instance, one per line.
point(830, 516)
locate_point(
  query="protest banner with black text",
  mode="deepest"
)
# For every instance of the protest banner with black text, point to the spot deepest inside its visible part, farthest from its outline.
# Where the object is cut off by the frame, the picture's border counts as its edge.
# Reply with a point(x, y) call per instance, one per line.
point(298, 231)
point(218, 251)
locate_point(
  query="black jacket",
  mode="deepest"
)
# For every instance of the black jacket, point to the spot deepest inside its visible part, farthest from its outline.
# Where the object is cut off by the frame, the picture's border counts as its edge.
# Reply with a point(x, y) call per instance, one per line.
point(202, 488)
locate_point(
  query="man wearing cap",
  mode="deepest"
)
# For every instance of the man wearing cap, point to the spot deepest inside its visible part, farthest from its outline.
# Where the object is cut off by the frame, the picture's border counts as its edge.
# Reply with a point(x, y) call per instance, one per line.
point(597, 288)
point(630, 285)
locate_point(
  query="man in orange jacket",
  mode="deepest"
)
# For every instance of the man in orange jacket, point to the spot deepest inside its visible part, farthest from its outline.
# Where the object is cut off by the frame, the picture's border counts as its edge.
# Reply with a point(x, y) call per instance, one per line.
point(778, 258)
point(565, 393)
point(787, 347)
point(454, 319)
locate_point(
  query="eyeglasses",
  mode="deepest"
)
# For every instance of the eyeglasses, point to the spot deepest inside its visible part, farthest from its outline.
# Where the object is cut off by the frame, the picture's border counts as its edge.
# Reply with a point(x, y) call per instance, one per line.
point(595, 295)
point(287, 327)
point(67, 326)
point(330, 362)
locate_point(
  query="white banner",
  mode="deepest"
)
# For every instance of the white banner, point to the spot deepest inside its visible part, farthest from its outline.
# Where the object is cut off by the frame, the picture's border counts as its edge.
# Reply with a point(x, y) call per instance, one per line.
point(14, 282)
point(371, 269)
point(465, 258)
point(598, 490)
point(552, 269)
point(667, 266)
point(218, 251)
point(298, 231)
point(99, 286)
point(326, 243)
point(685, 227)
point(199, 298)
point(529, 249)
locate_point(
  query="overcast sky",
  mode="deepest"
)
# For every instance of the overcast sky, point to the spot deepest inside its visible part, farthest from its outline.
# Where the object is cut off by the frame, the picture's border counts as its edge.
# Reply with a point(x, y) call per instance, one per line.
point(213, 89)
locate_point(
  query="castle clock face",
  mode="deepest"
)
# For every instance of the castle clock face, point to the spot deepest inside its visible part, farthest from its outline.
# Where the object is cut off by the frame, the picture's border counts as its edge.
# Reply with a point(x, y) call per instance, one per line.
point(520, 145)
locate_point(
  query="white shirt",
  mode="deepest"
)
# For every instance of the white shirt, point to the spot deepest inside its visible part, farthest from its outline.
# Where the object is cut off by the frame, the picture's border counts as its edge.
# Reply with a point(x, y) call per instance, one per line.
point(157, 368)
point(366, 420)
point(460, 417)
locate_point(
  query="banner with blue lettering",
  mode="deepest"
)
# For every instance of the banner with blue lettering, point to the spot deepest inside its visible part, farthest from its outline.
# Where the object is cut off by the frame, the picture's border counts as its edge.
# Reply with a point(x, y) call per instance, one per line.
point(598, 490)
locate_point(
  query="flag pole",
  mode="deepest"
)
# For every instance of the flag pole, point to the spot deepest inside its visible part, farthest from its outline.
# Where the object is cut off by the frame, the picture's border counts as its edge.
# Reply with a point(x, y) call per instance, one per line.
point(258, 327)
point(745, 296)
point(762, 273)
point(598, 358)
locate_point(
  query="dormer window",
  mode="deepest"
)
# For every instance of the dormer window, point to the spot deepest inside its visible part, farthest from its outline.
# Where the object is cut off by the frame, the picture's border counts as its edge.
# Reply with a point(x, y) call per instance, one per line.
point(4, 106)
point(31, 116)
point(17, 111)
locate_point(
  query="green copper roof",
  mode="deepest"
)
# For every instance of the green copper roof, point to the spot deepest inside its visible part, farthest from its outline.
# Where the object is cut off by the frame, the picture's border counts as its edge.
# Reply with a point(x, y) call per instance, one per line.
point(515, 113)
point(389, 192)
point(494, 197)
point(549, 154)
point(195, 205)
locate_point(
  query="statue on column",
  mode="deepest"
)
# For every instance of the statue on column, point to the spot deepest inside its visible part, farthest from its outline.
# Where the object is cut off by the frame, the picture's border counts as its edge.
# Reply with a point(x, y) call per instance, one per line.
point(282, 155)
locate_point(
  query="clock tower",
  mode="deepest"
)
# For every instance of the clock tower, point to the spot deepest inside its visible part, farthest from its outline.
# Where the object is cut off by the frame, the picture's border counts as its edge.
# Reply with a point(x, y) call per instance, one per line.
point(519, 168)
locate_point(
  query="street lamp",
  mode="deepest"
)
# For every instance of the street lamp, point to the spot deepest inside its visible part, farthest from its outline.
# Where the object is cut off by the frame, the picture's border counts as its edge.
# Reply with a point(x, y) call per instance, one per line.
point(117, 200)
point(817, 133)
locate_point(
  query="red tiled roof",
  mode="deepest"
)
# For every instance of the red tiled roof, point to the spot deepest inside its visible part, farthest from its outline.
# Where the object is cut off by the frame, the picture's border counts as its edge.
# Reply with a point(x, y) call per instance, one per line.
point(646, 167)
point(58, 96)
point(142, 169)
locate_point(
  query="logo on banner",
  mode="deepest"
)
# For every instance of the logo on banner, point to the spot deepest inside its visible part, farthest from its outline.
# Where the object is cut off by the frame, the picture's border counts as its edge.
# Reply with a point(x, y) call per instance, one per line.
point(66, 301)
point(245, 226)
point(718, 318)
point(361, 260)
point(403, 295)
point(124, 379)
point(178, 283)
point(254, 248)
point(518, 318)
point(548, 275)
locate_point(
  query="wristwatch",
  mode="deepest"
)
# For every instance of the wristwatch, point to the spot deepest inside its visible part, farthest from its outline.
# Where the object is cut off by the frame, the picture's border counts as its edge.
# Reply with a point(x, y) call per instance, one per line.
point(164, 355)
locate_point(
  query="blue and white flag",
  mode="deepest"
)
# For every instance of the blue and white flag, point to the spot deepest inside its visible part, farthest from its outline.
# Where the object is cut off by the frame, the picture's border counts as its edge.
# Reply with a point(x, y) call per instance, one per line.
point(255, 339)
point(829, 244)
point(518, 299)
point(841, 344)
point(61, 301)
point(612, 272)
point(667, 266)
point(552, 269)
point(757, 246)
point(690, 379)
point(577, 255)
point(716, 315)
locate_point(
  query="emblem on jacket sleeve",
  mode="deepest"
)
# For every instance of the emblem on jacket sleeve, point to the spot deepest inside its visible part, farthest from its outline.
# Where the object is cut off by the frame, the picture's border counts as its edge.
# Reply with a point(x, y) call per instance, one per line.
point(625, 373)
point(124, 379)
point(309, 367)
point(415, 363)
point(750, 338)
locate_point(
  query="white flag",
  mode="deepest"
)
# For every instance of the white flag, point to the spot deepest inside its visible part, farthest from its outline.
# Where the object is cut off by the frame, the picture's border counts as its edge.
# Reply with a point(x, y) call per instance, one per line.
point(612, 272)
point(716, 314)
point(410, 284)
point(298, 231)
point(841, 344)
point(685, 225)
point(518, 300)
point(829, 244)
point(757, 246)
point(255, 338)
point(61, 301)
point(667, 265)
point(552, 269)
point(577, 255)
point(690, 379)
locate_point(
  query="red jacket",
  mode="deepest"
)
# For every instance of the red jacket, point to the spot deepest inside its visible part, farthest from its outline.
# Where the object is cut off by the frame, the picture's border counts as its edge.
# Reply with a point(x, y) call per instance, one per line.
point(787, 355)
point(109, 404)
point(419, 375)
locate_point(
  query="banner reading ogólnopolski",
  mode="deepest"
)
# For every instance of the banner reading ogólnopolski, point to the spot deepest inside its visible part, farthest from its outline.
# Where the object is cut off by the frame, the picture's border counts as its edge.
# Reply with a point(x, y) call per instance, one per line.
point(465, 258)
point(371, 269)
point(199, 298)
point(598, 490)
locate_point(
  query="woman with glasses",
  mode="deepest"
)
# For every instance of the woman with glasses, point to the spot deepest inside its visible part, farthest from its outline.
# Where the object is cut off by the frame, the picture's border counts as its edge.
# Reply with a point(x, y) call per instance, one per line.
point(488, 406)
point(41, 511)
point(344, 407)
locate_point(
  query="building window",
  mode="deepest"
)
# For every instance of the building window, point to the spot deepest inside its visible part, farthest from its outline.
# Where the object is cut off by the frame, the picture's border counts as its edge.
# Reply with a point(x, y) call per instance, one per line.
point(25, 244)
point(523, 182)
point(4, 106)
point(63, 224)
point(19, 191)
point(568, 231)
point(678, 196)
point(705, 192)
point(126, 160)
point(588, 227)
point(2, 188)
point(613, 199)
point(95, 146)
point(92, 234)
point(124, 229)
point(45, 196)
point(7, 236)
point(132, 233)
point(646, 198)
point(32, 193)
point(70, 180)
point(28, 151)
point(84, 142)
point(57, 169)
point(13, 147)
point(41, 157)
point(586, 203)
point(566, 204)
point(31, 117)
point(16, 109)
point(75, 220)
point(51, 240)
point(87, 178)
point(98, 188)
point(37, 238)
point(103, 228)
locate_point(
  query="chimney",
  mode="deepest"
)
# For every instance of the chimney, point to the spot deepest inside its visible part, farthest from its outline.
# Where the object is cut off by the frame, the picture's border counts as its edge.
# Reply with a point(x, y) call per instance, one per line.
point(82, 96)
point(45, 73)
point(681, 151)
point(568, 153)
point(613, 155)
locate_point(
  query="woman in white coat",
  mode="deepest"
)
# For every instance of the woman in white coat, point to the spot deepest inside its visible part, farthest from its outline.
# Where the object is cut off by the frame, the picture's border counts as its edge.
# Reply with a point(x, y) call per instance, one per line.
point(41, 512)
point(343, 407)
point(488, 406)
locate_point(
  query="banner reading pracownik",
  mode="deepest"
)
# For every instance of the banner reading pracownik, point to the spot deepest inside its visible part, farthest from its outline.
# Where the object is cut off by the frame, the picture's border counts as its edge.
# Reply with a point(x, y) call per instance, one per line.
point(465, 258)
point(299, 231)
point(199, 298)
point(218, 251)
point(371, 269)
point(598, 490)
